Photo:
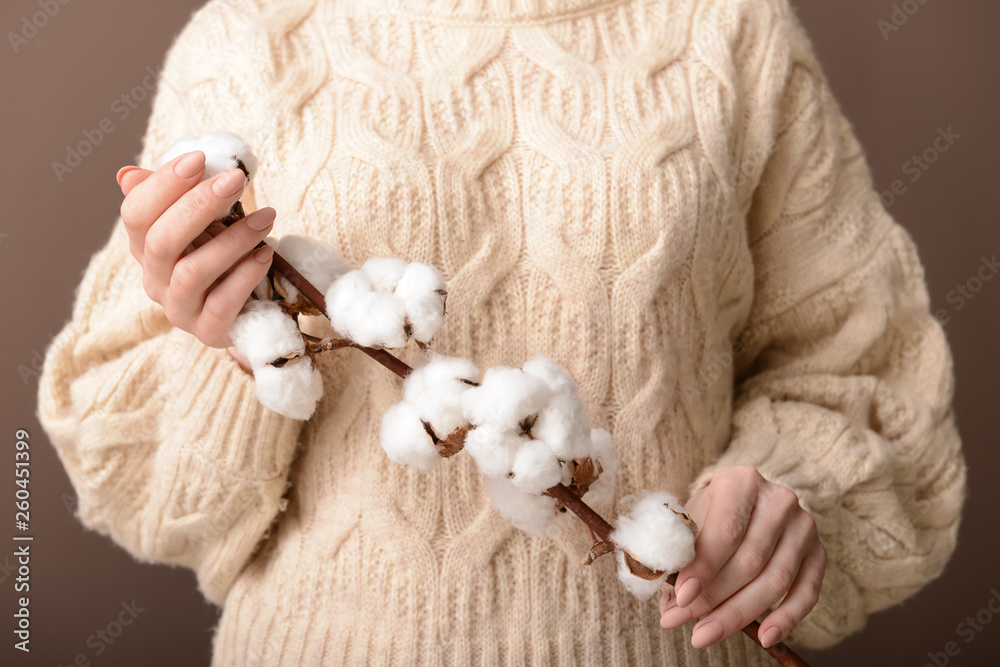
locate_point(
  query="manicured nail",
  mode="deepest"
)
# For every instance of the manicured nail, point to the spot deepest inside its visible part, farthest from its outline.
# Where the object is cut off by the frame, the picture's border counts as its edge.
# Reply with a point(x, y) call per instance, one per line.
point(261, 220)
point(228, 183)
point(675, 617)
point(707, 634)
point(190, 164)
point(688, 591)
point(263, 255)
point(124, 170)
point(771, 637)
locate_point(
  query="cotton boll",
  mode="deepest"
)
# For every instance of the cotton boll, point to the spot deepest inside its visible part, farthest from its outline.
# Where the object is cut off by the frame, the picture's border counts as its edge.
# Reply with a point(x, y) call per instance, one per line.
point(528, 512)
point(384, 272)
point(493, 451)
point(318, 263)
point(536, 468)
point(262, 332)
point(379, 321)
point(342, 295)
point(425, 314)
point(421, 288)
point(405, 440)
point(550, 372)
point(564, 426)
point(368, 318)
point(292, 390)
point(653, 534)
point(223, 151)
point(418, 279)
point(505, 397)
point(638, 586)
point(435, 391)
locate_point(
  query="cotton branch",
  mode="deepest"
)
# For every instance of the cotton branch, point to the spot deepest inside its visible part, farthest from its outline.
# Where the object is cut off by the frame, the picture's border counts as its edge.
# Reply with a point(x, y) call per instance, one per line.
point(598, 527)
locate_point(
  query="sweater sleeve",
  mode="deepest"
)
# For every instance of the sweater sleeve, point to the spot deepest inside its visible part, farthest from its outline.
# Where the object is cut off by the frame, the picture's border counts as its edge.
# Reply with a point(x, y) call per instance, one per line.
point(843, 379)
point(162, 437)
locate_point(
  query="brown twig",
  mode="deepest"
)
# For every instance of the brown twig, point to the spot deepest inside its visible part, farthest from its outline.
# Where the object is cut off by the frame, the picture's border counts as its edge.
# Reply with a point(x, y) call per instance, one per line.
point(597, 525)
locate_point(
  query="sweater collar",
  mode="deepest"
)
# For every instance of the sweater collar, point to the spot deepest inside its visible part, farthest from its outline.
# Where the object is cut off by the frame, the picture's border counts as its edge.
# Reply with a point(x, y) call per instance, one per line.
point(488, 12)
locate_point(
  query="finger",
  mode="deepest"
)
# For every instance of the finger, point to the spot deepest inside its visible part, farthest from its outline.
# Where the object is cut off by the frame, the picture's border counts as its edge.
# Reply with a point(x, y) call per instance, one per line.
point(731, 502)
point(184, 221)
point(667, 599)
point(130, 176)
point(210, 233)
point(195, 273)
point(754, 599)
point(801, 598)
point(773, 512)
point(225, 300)
point(147, 200)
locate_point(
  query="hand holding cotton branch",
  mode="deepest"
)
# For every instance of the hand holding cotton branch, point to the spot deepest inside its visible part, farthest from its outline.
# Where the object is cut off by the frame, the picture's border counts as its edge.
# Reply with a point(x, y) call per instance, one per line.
point(526, 428)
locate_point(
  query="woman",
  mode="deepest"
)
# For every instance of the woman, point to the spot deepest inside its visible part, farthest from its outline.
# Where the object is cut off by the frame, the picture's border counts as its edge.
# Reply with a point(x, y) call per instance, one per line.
point(661, 195)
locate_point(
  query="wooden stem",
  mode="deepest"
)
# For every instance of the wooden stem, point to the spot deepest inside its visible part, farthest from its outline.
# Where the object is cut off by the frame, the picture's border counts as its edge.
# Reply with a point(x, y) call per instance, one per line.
point(594, 521)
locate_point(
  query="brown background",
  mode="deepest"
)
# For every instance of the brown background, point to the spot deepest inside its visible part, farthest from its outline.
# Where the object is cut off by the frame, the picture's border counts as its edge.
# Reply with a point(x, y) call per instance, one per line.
point(939, 70)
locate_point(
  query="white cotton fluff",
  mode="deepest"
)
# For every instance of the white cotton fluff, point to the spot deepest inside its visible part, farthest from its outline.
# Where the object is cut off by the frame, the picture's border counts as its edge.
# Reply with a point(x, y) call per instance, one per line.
point(421, 288)
point(384, 272)
point(655, 536)
point(602, 449)
point(223, 151)
point(292, 390)
point(505, 397)
point(641, 588)
point(371, 319)
point(493, 451)
point(426, 315)
point(536, 469)
point(373, 305)
point(318, 263)
point(528, 512)
point(563, 423)
point(435, 391)
point(262, 332)
point(405, 440)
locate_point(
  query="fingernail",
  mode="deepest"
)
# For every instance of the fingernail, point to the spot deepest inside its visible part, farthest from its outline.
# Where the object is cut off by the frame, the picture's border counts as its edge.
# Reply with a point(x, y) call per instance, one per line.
point(263, 255)
point(674, 617)
point(123, 171)
point(190, 164)
point(260, 220)
point(688, 591)
point(229, 183)
point(707, 634)
point(771, 637)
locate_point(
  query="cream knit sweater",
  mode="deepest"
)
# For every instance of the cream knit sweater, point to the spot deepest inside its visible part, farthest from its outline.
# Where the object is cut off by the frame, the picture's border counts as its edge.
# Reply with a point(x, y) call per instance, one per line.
point(661, 195)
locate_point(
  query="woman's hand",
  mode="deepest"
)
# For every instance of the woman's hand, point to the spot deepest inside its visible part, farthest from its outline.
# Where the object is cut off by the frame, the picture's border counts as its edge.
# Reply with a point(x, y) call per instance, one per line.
point(200, 272)
point(755, 544)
